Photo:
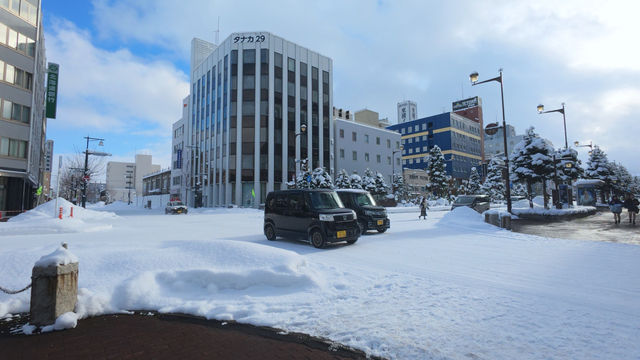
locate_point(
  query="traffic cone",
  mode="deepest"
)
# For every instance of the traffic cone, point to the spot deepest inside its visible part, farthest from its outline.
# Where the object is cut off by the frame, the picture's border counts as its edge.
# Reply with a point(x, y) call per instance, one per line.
point(60, 213)
point(71, 214)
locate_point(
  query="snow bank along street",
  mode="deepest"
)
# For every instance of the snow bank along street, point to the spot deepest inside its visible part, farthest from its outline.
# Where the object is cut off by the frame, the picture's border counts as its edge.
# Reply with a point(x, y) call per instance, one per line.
point(450, 287)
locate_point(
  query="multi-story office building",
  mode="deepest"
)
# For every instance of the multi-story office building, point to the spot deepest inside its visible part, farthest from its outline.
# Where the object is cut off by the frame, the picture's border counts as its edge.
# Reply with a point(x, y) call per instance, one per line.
point(22, 121)
point(178, 170)
point(471, 108)
point(494, 144)
point(459, 139)
point(124, 179)
point(415, 182)
point(249, 97)
point(407, 111)
point(359, 146)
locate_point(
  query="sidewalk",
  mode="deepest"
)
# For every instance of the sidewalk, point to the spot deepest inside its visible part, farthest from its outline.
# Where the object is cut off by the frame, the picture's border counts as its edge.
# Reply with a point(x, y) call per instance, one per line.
point(161, 336)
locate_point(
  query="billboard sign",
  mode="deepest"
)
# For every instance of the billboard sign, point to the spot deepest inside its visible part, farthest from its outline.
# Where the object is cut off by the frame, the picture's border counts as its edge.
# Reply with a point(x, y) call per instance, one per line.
point(465, 104)
point(52, 90)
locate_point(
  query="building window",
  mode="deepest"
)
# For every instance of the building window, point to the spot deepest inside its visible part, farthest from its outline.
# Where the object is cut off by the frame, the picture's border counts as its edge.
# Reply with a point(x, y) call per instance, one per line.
point(378, 159)
point(354, 137)
point(389, 143)
point(355, 156)
point(341, 153)
point(342, 133)
point(424, 126)
point(397, 144)
point(366, 157)
point(377, 140)
point(366, 138)
point(388, 160)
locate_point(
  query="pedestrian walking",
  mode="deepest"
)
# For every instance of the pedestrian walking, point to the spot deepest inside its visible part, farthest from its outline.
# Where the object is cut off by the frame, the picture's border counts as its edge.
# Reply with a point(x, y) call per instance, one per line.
point(423, 209)
point(631, 204)
point(615, 205)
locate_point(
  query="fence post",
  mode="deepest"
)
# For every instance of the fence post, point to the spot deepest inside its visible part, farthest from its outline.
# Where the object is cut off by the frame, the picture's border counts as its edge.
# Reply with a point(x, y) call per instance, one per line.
point(60, 213)
point(54, 289)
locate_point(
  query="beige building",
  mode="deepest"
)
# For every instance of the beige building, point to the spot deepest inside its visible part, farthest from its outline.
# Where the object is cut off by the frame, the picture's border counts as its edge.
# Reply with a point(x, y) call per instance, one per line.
point(415, 181)
point(124, 179)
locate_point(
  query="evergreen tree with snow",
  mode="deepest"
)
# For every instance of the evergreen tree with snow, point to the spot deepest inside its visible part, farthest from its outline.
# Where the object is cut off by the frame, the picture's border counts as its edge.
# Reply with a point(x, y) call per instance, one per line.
point(369, 181)
point(475, 181)
point(399, 189)
point(569, 167)
point(342, 180)
point(438, 179)
point(463, 189)
point(494, 183)
point(519, 189)
point(381, 187)
point(598, 168)
point(623, 180)
point(532, 162)
point(320, 179)
point(302, 180)
point(356, 181)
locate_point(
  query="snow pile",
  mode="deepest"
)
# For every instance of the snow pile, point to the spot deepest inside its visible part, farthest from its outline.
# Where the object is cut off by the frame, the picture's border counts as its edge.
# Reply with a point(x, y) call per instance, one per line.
point(464, 216)
point(44, 219)
point(68, 320)
point(60, 256)
point(521, 207)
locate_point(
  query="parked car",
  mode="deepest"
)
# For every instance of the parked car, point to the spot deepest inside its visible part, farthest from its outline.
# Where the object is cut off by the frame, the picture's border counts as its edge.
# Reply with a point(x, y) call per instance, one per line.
point(317, 215)
point(176, 207)
point(479, 203)
point(370, 215)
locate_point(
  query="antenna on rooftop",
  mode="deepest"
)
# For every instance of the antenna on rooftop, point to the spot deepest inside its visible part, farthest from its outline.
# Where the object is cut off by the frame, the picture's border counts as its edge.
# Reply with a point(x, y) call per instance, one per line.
point(218, 32)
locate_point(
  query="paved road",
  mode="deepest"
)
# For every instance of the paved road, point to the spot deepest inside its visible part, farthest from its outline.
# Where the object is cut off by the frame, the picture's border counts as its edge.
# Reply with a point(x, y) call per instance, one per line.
point(167, 337)
point(599, 227)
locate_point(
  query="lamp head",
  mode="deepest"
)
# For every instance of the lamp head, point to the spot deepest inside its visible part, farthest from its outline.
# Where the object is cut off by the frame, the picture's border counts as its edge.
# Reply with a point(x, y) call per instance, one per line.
point(568, 165)
point(303, 128)
point(401, 147)
point(540, 108)
point(473, 77)
point(576, 143)
point(101, 143)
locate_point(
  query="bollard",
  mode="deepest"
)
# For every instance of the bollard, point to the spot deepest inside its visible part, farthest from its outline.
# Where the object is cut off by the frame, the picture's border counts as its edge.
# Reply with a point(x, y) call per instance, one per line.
point(505, 222)
point(494, 219)
point(71, 214)
point(60, 213)
point(54, 286)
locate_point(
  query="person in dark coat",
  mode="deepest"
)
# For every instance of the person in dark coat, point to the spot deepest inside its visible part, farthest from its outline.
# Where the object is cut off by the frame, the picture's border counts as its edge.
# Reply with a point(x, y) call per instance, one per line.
point(615, 205)
point(631, 204)
point(423, 209)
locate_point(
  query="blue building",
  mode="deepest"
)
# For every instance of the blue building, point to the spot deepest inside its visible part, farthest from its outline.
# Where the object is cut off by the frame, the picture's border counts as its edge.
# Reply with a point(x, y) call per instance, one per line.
point(459, 139)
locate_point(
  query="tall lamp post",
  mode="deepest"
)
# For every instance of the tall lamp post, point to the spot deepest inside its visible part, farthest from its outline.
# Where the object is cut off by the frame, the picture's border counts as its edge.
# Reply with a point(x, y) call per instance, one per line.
point(564, 119)
point(474, 81)
point(393, 165)
point(303, 129)
point(85, 175)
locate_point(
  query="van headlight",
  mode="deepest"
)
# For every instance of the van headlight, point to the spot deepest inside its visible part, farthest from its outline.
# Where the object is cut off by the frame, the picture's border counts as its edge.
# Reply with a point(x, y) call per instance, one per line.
point(326, 217)
point(370, 213)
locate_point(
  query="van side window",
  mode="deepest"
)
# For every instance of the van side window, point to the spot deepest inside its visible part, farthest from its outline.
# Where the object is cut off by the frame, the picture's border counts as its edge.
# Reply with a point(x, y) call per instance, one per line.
point(281, 201)
point(271, 203)
point(296, 201)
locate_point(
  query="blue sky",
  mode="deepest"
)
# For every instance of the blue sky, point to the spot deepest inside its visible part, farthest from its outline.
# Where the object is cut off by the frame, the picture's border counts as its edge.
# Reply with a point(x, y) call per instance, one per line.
point(124, 64)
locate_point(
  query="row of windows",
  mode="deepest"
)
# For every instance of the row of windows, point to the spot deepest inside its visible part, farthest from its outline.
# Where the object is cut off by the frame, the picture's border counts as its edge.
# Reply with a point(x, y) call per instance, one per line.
point(178, 132)
point(15, 76)
point(354, 137)
point(354, 155)
point(16, 40)
point(12, 147)
point(16, 112)
point(463, 126)
point(21, 8)
point(410, 129)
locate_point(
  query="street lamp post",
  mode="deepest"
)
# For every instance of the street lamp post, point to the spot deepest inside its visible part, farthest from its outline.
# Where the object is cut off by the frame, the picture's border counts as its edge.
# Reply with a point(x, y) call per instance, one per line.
point(303, 129)
point(393, 165)
point(564, 119)
point(474, 81)
point(85, 176)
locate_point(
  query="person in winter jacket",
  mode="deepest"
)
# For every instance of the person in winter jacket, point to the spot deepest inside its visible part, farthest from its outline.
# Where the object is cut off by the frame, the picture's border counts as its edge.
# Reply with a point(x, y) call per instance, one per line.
point(423, 209)
point(631, 204)
point(615, 205)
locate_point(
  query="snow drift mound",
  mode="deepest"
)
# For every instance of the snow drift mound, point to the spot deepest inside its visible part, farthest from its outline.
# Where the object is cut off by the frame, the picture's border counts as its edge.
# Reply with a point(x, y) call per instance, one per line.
point(49, 210)
point(464, 216)
point(238, 273)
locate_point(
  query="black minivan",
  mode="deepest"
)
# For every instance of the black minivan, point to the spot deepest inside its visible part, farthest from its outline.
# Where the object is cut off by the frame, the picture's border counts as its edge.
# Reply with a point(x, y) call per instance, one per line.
point(370, 216)
point(314, 214)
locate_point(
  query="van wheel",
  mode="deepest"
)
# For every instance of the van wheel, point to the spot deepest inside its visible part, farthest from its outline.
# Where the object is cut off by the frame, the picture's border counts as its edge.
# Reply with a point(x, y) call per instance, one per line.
point(269, 232)
point(352, 241)
point(363, 228)
point(317, 239)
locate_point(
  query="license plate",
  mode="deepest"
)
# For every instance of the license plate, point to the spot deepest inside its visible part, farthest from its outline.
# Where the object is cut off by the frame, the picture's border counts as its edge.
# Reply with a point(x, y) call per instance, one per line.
point(341, 234)
point(179, 211)
point(380, 222)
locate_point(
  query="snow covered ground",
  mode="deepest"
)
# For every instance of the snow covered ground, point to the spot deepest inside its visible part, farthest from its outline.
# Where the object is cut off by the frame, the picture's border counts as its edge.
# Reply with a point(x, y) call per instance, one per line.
point(449, 287)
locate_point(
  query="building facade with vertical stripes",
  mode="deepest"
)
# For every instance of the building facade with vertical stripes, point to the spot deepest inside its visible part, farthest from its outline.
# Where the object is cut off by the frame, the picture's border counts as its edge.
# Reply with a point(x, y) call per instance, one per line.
point(459, 139)
point(249, 97)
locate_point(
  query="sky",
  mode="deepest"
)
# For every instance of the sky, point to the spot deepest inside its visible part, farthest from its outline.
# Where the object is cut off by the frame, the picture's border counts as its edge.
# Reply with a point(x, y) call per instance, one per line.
point(124, 65)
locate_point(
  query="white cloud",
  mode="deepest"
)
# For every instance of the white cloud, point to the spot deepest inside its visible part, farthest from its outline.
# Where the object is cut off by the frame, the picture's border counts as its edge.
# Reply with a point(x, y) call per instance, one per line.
point(113, 90)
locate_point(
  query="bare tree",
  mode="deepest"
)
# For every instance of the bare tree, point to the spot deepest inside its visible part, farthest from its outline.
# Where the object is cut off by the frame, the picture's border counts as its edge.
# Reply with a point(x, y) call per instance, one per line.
point(71, 175)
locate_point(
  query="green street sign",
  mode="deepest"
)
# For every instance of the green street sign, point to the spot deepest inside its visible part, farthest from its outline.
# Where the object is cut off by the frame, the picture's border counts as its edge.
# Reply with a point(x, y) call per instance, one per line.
point(52, 90)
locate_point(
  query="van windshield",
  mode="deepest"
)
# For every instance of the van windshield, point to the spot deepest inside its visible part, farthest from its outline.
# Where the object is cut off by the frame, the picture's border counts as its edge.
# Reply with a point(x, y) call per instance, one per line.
point(464, 200)
point(363, 199)
point(325, 200)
